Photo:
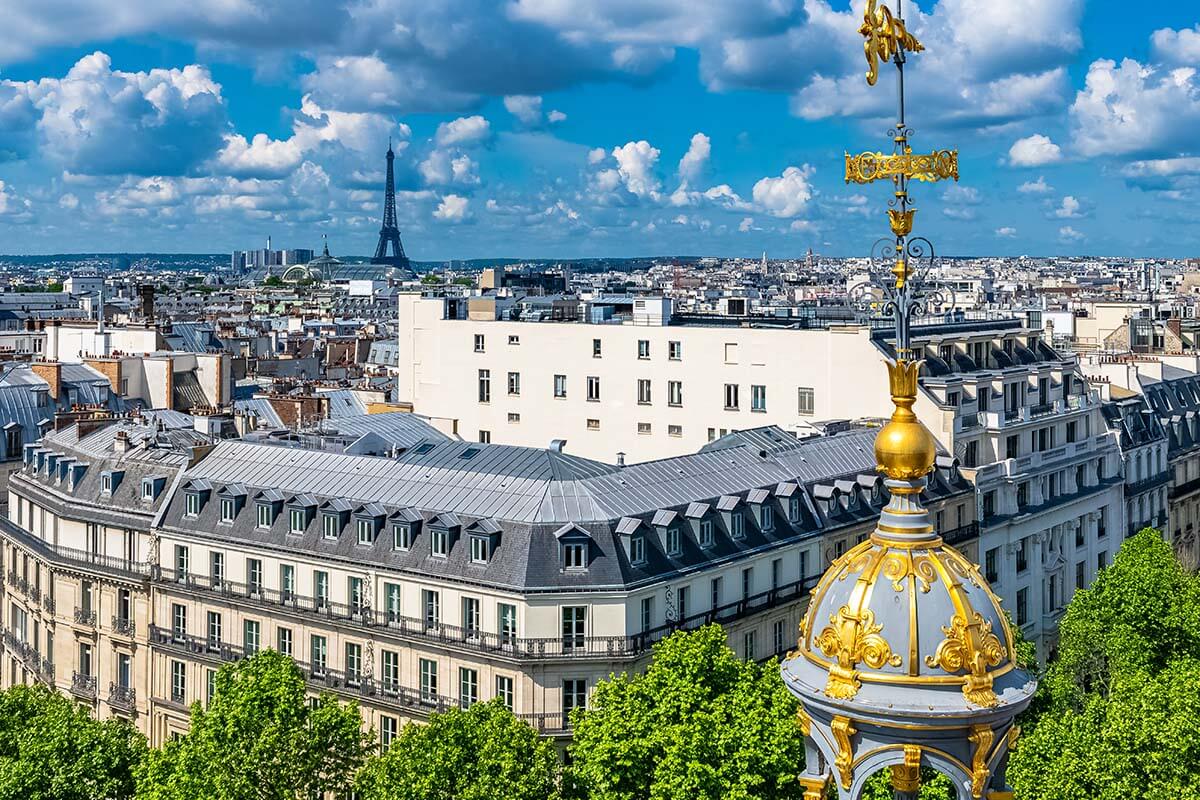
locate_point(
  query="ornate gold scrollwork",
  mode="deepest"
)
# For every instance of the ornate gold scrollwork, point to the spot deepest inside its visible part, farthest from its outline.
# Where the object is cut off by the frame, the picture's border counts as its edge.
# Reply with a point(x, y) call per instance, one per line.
point(906, 777)
point(884, 36)
point(853, 639)
point(981, 736)
point(844, 761)
point(869, 167)
point(804, 719)
point(970, 646)
point(901, 221)
point(897, 567)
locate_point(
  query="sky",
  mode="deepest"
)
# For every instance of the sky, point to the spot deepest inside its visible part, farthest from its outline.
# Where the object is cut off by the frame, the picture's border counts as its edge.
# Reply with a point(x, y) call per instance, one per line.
point(583, 128)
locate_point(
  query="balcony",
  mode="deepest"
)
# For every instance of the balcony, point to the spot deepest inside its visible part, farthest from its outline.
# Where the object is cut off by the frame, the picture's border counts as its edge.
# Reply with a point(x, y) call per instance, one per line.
point(85, 617)
point(504, 645)
point(27, 654)
point(124, 697)
point(122, 626)
point(83, 685)
point(963, 533)
point(58, 554)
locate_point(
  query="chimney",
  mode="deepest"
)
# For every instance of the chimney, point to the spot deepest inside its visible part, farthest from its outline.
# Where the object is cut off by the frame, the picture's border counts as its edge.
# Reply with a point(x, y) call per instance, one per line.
point(557, 445)
point(51, 373)
point(121, 441)
point(620, 459)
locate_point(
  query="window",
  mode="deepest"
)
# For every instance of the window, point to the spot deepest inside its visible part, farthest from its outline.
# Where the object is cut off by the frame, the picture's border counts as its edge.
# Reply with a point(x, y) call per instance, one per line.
point(265, 517)
point(637, 549)
point(124, 606)
point(485, 386)
point(431, 607)
point(504, 690)
point(991, 561)
point(85, 658)
point(283, 639)
point(480, 547)
point(485, 437)
point(777, 629)
point(479, 343)
point(391, 670)
point(216, 568)
point(793, 509)
point(191, 504)
point(706, 533)
point(758, 398)
point(747, 582)
point(366, 531)
point(214, 630)
point(178, 681)
point(675, 351)
point(439, 542)
point(468, 687)
point(593, 389)
point(674, 546)
point(560, 385)
point(287, 581)
point(178, 622)
point(251, 636)
point(321, 586)
point(674, 430)
point(1012, 446)
point(318, 654)
point(806, 401)
point(803, 565)
point(714, 592)
point(296, 520)
point(391, 601)
point(731, 397)
point(595, 348)
point(514, 383)
point(574, 695)
point(210, 685)
point(737, 526)
point(389, 729)
point(254, 575)
point(148, 489)
point(1101, 560)
point(574, 555)
point(355, 596)
point(1022, 606)
point(675, 393)
point(574, 627)
point(749, 646)
point(681, 603)
point(647, 613)
point(1023, 555)
point(731, 353)
point(643, 392)
point(952, 398)
point(644, 428)
point(353, 663)
point(470, 615)
point(1080, 575)
point(768, 518)
point(429, 680)
point(401, 536)
point(226, 510)
point(593, 424)
point(643, 348)
point(776, 573)
point(506, 614)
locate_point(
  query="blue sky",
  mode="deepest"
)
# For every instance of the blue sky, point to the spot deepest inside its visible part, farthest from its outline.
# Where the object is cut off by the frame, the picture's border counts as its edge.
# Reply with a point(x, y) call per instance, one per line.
point(569, 128)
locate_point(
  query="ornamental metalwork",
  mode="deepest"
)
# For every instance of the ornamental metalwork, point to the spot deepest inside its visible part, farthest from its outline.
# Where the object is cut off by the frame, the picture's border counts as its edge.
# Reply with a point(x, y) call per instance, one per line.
point(970, 646)
point(853, 639)
point(886, 38)
point(869, 167)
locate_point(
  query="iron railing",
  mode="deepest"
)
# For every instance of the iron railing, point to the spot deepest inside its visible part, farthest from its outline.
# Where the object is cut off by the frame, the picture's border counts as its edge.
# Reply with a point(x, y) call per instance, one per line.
point(85, 617)
point(83, 685)
point(122, 696)
point(122, 626)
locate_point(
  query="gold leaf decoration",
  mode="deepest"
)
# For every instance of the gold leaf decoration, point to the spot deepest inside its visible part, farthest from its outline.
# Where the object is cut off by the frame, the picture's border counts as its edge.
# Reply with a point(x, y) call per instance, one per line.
point(885, 35)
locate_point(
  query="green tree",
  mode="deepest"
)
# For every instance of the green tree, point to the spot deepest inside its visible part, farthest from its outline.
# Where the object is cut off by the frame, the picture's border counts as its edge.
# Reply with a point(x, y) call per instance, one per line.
point(273, 281)
point(483, 753)
point(260, 738)
point(52, 749)
point(431, 279)
point(1120, 704)
point(699, 724)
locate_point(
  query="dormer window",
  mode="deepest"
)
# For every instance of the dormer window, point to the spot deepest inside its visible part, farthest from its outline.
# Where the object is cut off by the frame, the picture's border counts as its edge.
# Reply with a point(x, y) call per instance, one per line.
point(737, 526)
point(401, 536)
point(191, 504)
point(228, 510)
point(768, 518)
point(439, 542)
point(266, 515)
point(637, 550)
point(296, 520)
point(574, 555)
point(706, 533)
point(852, 501)
point(794, 508)
point(331, 526)
point(106, 486)
point(481, 549)
point(366, 531)
point(674, 544)
point(147, 489)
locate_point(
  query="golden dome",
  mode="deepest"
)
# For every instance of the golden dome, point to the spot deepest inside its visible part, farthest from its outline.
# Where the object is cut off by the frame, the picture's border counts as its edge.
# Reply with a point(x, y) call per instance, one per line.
point(904, 448)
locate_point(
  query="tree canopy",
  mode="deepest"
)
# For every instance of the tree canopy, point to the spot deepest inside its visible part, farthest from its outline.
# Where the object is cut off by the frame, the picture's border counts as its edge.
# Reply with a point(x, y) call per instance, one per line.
point(699, 724)
point(260, 738)
point(482, 753)
point(1120, 705)
point(52, 749)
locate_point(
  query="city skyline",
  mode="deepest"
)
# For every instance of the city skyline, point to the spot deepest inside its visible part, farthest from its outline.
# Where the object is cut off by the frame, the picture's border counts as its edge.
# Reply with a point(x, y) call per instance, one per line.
point(580, 129)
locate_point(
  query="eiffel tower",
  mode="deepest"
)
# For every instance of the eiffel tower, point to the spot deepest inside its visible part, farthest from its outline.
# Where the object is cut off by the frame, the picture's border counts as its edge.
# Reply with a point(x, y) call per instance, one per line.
point(390, 233)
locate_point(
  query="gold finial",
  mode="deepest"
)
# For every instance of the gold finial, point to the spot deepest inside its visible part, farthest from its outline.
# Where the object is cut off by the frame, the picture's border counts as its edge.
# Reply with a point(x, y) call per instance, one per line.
point(885, 36)
point(904, 448)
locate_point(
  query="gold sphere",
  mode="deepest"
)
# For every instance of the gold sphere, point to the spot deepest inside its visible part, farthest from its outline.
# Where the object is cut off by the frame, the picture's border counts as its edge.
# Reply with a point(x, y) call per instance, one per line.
point(904, 448)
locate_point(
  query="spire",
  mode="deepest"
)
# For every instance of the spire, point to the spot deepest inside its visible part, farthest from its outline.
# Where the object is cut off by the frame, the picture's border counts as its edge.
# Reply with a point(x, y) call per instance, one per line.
point(389, 234)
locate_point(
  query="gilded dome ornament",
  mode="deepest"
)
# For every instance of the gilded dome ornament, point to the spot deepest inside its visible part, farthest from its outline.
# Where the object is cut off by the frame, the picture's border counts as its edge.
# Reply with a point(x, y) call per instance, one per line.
point(904, 657)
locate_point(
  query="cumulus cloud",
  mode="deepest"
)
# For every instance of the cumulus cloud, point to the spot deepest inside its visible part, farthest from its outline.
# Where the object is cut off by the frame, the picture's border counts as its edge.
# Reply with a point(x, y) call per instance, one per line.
point(1034, 151)
point(1177, 46)
point(452, 208)
point(464, 132)
point(1069, 208)
point(1006, 232)
point(694, 160)
point(1035, 187)
point(787, 195)
point(1132, 109)
point(442, 168)
point(1069, 234)
point(528, 110)
point(636, 164)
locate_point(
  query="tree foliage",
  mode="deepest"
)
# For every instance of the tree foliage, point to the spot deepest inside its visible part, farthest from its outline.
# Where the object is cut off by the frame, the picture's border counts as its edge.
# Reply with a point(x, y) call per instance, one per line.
point(1120, 705)
point(260, 738)
point(52, 749)
point(482, 753)
point(699, 724)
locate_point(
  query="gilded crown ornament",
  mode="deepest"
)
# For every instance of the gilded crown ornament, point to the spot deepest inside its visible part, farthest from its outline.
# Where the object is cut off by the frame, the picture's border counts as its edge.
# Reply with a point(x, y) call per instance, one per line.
point(905, 659)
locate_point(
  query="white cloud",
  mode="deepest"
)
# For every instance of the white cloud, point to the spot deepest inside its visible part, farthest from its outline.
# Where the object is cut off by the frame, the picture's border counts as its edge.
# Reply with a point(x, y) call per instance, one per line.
point(464, 131)
point(596, 155)
point(443, 168)
point(636, 163)
point(785, 196)
point(1035, 187)
point(1133, 109)
point(961, 195)
point(1070, 208)
point(527, 108)
point(1006, 232)
point(68, 201)
point(452, 208)
point(555, 116)
point(747, 224)
point(1177, 46)
point(694, 160)
point(1034, 151)
point(1069, 234)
